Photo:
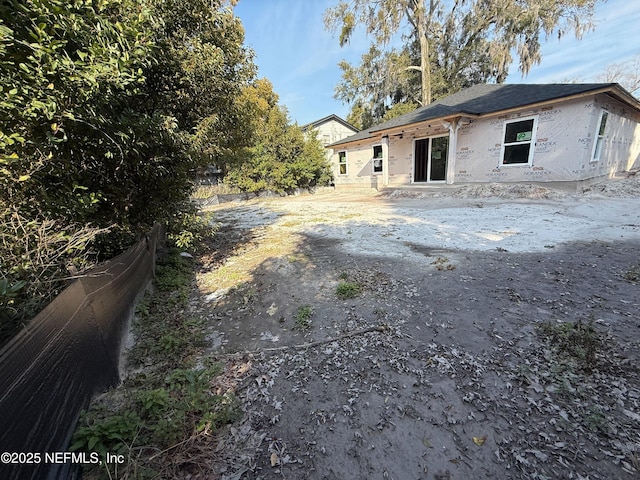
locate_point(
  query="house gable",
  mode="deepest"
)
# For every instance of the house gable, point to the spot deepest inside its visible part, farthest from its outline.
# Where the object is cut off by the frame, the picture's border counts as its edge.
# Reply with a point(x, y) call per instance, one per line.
point(330, 129)
point(329, 119)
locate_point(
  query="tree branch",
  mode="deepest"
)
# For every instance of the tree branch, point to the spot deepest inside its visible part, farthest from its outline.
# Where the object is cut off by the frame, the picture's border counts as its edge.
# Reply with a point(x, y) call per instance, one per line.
point(377, 328)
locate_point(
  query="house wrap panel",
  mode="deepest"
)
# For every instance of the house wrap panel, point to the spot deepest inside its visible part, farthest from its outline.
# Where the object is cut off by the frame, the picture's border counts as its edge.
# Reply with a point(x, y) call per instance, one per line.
point(564, 145)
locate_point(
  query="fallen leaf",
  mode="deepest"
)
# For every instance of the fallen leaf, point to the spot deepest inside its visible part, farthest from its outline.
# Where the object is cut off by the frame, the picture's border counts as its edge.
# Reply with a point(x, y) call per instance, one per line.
point(275, 460)
point(272, 310)
point(479, 440)
point(632, 415)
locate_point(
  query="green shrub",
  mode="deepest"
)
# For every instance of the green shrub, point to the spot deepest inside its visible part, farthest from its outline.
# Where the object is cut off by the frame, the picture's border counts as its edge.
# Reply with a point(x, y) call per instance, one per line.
point(188, 229)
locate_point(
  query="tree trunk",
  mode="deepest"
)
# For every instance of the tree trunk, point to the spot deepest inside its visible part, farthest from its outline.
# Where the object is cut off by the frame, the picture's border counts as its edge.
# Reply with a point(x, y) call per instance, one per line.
point(425, 68)
point(422, 24)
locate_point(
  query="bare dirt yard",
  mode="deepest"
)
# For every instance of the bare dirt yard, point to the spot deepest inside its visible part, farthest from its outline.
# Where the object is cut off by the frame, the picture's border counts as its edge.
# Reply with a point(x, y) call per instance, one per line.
point(464, 333)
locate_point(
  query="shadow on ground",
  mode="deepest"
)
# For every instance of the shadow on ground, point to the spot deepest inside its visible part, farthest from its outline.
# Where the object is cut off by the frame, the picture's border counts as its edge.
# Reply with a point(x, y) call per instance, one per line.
point(457, 383)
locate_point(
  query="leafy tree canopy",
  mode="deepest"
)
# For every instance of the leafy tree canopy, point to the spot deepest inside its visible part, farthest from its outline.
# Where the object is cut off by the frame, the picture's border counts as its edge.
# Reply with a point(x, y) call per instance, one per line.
point(282, 157)
point(452, 44)
point(107, 108)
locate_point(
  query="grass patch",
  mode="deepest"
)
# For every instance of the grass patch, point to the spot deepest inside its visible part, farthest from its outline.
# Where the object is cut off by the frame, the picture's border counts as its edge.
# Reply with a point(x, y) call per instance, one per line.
point(207, 191)
point(298, 257)
point(576, 343)
point(303, 317)
point(346, 290)
point(161, 414)
point(168, 409)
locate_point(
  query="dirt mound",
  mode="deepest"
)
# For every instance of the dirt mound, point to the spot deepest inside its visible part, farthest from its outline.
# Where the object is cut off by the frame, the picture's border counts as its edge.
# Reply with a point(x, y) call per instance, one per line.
point(627, 186)
point(511, 190)
point(483, 190)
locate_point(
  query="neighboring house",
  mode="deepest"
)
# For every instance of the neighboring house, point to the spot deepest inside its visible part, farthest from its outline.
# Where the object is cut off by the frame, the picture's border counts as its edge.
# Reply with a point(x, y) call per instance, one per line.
point(209, 175)
point(498, 133)
point(330, 129)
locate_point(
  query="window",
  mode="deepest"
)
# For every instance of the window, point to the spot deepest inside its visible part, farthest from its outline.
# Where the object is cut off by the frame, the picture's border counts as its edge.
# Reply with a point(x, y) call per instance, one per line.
point(602, 126)
point(377, 159)
point(519, 138)
point(342, 163)
point(326, 140)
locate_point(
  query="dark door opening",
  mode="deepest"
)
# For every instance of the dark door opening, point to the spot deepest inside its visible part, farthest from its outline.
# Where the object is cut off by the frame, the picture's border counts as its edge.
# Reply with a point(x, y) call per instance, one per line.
point(438, 159)
point(421, 169)
point(430, 164)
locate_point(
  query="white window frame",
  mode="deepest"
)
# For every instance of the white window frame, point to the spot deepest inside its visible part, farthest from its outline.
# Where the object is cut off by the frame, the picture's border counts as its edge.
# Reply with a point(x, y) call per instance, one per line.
point(374, 158)
point(346, 164)
point(600, 135)
point(531, 141)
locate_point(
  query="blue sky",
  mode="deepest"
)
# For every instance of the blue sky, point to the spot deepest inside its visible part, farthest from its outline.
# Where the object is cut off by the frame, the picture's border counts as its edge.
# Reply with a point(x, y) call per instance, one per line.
point(300, 58)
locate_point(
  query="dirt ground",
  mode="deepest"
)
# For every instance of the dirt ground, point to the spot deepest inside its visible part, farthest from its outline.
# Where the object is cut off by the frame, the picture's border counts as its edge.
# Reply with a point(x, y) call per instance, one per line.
point(438, 368)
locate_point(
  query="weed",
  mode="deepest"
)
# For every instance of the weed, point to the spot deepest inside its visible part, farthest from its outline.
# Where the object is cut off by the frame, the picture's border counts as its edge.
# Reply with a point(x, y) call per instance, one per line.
point(152, 402)
point(633, 274)
point(346, 290)
point(142, 308)
point(574, 342)
point(163, 333)
point(303, 316)
point(297, 257)
point(442, 263)
point(166, 403)
point(110, 434)
point(170, 343)
point(230, 275)
point(181, 407)
point(596, 421)
point(174, 273)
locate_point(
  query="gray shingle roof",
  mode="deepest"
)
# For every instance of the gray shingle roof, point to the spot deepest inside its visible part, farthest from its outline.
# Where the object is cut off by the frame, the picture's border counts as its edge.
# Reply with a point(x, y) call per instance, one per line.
point(326, 119)
point(484, 99)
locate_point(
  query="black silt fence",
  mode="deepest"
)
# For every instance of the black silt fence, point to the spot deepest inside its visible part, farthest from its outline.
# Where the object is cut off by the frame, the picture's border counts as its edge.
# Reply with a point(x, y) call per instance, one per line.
point(65, 356)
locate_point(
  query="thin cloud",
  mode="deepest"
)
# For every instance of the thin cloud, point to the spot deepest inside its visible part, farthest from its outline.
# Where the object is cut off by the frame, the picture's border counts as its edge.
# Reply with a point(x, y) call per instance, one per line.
point(616, 38)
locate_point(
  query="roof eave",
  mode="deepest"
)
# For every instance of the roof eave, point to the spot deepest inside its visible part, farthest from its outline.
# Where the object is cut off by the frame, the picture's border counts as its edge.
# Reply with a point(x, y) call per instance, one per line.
point(327, 119)
point(612, 88)
point(346, 141)
point(441, 118)
point(624, 96)
point(615, 89)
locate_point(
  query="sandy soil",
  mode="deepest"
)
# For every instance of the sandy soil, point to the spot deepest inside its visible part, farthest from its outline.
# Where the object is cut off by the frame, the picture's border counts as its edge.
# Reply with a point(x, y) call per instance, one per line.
point(437, 368)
